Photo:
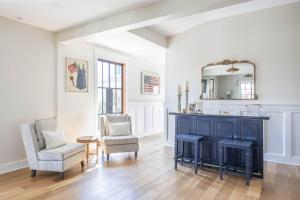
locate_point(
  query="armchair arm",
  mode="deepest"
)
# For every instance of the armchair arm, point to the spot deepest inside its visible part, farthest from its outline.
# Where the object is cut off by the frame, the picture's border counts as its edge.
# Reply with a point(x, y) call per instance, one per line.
point(30, 144)
point(102, 123)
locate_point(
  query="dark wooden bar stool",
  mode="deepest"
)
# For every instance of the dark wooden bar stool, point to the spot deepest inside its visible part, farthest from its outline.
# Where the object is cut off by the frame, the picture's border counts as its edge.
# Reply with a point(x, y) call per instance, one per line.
point(195, 140)
point(236, 144)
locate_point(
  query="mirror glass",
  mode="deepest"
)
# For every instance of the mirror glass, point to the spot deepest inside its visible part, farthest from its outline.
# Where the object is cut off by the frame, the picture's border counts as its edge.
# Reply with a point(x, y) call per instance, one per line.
point(229, 80)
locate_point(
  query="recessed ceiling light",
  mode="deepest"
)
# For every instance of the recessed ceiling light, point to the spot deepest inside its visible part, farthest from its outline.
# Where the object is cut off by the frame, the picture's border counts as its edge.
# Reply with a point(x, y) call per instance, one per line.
point(19, 18)
point(57, 5)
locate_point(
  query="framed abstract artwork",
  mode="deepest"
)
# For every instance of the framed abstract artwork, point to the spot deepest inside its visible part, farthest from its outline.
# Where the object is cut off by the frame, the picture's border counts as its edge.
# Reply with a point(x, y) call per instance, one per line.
point(77, 75)
point(150, 83)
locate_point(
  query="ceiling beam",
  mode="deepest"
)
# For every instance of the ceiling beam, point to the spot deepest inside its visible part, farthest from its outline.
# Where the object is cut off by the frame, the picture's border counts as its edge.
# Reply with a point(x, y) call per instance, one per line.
point(144, 16)
point(152, 36)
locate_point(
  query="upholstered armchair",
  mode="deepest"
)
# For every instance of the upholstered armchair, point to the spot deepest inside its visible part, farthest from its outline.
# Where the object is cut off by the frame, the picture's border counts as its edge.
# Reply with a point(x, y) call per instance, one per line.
point(116, 144)
point(57, 159)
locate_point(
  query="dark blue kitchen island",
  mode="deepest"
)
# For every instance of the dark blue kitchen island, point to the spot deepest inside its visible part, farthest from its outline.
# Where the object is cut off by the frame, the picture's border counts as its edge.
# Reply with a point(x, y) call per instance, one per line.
point(216, 127)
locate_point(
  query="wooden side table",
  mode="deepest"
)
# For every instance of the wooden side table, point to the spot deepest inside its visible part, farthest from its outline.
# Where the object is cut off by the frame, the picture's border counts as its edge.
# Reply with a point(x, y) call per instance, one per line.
point(88, 140)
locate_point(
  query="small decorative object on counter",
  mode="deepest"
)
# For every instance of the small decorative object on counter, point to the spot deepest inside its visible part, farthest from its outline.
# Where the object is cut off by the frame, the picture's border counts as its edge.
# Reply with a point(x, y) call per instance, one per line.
point(198, 107)
point(186, 89)
point(253, 109)
point(192, 108)
point(179, 99)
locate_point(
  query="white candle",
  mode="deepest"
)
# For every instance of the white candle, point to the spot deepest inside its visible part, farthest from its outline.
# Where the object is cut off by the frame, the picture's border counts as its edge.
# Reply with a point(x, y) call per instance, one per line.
point(179, 90)
point(186, 86)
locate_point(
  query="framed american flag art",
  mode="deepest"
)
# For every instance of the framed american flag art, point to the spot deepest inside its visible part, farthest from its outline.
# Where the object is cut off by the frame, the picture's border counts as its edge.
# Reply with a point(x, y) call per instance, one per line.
point(150, 83)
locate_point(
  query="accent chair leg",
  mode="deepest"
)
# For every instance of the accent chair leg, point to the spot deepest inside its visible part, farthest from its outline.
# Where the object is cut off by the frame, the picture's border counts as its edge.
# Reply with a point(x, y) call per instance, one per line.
point(82, 163)
point(107, 157)
point(135, 154)
point(33, 173)
point(61, 175)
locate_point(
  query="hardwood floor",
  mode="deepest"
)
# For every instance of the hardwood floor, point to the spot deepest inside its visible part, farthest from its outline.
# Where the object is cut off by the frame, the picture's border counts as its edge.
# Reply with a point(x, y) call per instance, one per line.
point(150, 177)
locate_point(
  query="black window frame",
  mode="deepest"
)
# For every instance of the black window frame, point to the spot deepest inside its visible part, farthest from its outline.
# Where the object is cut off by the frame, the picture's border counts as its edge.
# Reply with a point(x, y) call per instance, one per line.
point(109, 85)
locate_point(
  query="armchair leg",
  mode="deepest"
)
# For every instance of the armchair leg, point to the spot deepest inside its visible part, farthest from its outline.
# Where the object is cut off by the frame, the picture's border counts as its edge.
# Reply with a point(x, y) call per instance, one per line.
point(33, 173)
point(107, 157)
point(82, 163)
point(61, 175)
point(135, 154)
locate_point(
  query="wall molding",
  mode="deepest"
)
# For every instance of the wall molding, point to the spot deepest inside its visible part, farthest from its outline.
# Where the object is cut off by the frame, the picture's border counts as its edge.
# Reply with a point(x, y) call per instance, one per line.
point(13, 166)
point(147, 117)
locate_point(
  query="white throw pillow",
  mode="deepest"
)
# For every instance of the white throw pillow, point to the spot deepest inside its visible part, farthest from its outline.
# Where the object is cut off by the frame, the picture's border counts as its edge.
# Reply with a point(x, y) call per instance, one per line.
point(54, 139)
point(44, 125)
point(119, 128)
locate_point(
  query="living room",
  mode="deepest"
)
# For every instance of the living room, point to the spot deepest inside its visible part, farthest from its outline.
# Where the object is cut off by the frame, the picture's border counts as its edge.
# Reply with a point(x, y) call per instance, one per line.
point(99, 97)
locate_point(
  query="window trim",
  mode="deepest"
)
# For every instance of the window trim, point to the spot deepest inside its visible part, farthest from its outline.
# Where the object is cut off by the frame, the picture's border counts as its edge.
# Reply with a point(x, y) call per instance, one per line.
point(123, 86)
point(252, 89)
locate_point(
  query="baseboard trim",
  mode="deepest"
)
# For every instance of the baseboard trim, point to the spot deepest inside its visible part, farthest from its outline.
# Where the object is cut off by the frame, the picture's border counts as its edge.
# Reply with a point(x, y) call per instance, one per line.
point(13, 166)
point(151, 136)
point(277, 158)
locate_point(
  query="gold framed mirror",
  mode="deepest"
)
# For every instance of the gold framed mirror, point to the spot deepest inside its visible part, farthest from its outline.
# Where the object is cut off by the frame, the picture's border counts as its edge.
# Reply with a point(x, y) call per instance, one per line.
point(229, 80)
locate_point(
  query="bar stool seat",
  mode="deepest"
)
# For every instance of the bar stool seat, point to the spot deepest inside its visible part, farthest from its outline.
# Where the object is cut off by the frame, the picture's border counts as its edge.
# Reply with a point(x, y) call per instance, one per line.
point(196, 140)
point(236, 144)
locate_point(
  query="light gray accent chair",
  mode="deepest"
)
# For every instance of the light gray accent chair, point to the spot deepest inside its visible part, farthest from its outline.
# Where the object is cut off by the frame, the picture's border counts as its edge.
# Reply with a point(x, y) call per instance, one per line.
point(117, 144)
point(57, 159)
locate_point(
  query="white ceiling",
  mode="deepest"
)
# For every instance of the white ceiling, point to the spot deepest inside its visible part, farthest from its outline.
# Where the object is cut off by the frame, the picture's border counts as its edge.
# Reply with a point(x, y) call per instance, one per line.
point(131, 44)
point(173, 27)
point(55, 15)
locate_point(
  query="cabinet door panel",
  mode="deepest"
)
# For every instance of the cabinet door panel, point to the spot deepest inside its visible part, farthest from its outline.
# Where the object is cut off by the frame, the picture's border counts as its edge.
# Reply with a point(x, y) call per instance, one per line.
point(205, 126)
point(226, 128)
point(183, 125)
point(251, 130)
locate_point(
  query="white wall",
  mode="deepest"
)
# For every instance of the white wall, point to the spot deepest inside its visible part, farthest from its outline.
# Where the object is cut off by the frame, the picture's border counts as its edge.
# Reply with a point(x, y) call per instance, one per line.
point(135, 67)
point(77, 111)
point(270, 39)
point(28, 79)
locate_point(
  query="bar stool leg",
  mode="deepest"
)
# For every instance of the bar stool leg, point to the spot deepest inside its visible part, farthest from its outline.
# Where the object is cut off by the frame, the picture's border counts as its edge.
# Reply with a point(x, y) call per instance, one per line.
point(196, 149)
point(176, 154)
point(202, 153)
point(247, 166)
point(221, 161)
point(182, 149)
point(251, 163)
point(225, 158)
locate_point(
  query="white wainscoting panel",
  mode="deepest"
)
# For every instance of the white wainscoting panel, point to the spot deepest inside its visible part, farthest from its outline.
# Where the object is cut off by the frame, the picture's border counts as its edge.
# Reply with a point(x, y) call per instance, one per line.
point(147, 117)
point(274, 133)
point(281, 132)
point(295, 137)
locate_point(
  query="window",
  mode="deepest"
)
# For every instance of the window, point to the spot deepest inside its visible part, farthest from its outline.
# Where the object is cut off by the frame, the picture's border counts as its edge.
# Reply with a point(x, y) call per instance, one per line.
point(247, 90)
point(110, 87)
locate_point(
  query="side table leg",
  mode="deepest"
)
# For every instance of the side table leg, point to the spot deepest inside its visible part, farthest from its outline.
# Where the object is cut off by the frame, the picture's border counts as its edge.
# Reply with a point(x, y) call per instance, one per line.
point(97, 152)
point(87, 152)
